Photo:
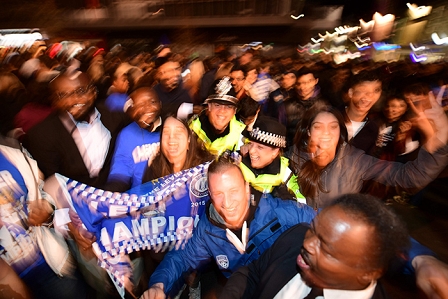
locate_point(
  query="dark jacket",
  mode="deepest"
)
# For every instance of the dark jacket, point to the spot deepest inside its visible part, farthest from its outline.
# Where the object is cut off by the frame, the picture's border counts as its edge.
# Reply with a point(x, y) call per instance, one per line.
point(294, 109)
point(55, 151)
point(172, 100)
point(366, 137)
point(351, 167)
point(265, 277)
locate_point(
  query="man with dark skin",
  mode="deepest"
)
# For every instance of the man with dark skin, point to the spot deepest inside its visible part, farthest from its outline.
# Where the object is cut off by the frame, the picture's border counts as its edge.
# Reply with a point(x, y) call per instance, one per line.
point(138, 143)
point(342, 255)
point(78, 139)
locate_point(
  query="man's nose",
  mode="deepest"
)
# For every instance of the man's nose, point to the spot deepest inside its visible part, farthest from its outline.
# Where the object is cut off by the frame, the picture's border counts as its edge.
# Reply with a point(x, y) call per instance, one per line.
point(226, 201)
point(310, 244)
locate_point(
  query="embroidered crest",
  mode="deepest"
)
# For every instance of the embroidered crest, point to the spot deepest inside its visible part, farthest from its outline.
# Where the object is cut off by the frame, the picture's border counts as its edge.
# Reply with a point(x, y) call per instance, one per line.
point(223, 261)
point(223, 87)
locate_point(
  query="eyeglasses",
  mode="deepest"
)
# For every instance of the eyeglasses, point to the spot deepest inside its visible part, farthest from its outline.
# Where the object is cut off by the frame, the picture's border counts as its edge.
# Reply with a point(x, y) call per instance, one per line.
point(238, 79)
point(87, 91)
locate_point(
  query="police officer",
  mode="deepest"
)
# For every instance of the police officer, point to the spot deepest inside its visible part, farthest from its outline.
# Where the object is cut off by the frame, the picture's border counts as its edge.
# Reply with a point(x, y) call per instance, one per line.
point(263, 165)
point(217, 127)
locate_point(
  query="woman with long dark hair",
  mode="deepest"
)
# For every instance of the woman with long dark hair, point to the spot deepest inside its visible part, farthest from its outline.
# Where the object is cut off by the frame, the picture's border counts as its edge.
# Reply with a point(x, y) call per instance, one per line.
point(179, 150)
point(326, 166)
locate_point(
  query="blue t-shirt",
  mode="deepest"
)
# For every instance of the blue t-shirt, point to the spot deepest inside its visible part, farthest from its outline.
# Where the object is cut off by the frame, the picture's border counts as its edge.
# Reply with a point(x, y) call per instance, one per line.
point(115, 102)
point(134, 147)
point(17, 247)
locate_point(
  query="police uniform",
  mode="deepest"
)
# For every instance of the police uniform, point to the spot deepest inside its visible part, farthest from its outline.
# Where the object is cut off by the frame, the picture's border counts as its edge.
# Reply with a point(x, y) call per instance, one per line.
point(216, 144)
point(276, 178)
point(230, 138)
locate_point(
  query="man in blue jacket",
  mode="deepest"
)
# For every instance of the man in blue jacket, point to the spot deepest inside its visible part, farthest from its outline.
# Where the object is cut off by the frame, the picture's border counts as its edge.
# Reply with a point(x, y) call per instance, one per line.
point(237, 228)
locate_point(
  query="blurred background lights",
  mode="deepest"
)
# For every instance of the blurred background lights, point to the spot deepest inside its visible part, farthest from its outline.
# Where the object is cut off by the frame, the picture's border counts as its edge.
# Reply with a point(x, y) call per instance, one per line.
point(416, 12)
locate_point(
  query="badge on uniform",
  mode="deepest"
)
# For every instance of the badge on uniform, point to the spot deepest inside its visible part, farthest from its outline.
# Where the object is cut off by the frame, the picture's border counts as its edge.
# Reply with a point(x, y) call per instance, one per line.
point(223, 261)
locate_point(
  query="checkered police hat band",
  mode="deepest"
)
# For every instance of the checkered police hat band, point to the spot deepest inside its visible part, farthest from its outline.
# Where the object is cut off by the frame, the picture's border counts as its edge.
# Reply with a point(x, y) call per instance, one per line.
point(269, 138)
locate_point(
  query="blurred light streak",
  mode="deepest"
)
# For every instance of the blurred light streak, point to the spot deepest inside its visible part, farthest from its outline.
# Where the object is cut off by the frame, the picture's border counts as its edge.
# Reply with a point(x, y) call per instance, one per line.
point(364, 48)
point(418, 58)
point(340, 39)
point(335, 49)
point(306, 46)
point(268, 47)
point(252, 44)
point(346, 29)
point(318, 40)
point(383, 26)
point(298, 17)
point(439, 41)
point(19, 39)
point(359, 46)
point(385, 47)
point(363, 40)
point(161, 10)
point(328, 35)
point(380, 19)
point(416, 49)
point(367, 26)
point(416, 12)
point(341, 58)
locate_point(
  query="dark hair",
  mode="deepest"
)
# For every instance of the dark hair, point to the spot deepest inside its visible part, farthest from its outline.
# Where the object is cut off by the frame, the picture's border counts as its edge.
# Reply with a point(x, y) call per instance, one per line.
point(247, 107)
point(237, 67)
point(308, 173)
point(304, 71)
point(417, 89)
point(161, 166)
point(301, 138)
point(170, 57)
point(364, 76)
point(222, 164)
point(390, 236)
point(253, 65)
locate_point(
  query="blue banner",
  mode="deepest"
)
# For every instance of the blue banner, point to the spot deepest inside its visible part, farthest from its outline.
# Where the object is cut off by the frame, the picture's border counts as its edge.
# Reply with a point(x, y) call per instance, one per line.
point(159, 215)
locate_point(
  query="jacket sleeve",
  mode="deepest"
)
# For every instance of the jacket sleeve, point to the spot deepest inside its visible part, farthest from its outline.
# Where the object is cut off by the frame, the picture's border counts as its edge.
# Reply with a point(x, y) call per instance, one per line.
point(176, 262)
point(122, 168)
point(412, 176)
point(298, 213)
point(44, 151)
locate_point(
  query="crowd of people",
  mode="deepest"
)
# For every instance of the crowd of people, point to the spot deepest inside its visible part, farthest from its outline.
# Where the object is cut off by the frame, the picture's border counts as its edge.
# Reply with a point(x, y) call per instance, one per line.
point(294, 141)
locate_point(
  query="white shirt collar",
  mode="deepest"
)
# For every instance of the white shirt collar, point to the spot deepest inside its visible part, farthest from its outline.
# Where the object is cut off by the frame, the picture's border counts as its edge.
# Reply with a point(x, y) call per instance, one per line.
point(96, 114)
point(297, 288)
point(157, 123)
point(367, 293)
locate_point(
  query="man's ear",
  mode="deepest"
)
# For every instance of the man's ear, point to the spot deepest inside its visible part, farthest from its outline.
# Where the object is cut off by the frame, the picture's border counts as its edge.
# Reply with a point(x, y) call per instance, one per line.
point(247, 189)
point(367, 277)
